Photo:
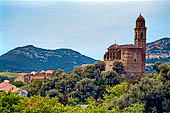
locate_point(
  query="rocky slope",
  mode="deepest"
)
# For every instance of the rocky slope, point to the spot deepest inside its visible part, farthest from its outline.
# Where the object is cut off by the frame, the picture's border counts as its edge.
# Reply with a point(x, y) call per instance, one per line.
point(30, 58)
point(158, 51)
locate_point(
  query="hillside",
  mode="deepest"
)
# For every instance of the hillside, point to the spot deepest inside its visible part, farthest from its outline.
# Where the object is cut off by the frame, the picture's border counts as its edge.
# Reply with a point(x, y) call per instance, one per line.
point(30, 58)
point(158, 51)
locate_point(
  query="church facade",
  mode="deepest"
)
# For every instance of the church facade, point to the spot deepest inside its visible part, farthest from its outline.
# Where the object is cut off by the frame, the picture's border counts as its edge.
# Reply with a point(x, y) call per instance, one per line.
point(132, 55)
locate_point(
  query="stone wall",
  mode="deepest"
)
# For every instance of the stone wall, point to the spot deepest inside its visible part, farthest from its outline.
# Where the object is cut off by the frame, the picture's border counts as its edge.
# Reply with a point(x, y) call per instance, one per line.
point(132, 60)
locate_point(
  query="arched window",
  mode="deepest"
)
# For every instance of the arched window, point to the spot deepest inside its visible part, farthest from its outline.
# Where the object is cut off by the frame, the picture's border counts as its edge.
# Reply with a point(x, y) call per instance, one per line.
point(135, 60)
point(141, 35)
point(141, 24)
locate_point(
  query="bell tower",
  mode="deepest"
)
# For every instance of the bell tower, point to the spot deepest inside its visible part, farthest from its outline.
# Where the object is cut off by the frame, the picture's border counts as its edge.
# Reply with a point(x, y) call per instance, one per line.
point(140, 38)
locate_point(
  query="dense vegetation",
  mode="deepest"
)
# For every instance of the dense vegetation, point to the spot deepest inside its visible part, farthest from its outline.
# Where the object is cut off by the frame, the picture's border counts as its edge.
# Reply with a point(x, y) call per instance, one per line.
point(90, 90)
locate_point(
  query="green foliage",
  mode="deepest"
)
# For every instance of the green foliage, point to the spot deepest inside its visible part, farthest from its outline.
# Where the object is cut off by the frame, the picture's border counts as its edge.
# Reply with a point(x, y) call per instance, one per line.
point(18, 83)
point(85, 88)
point(118, 66)
point(91, 72)
point(95, 107)
point(111, 78)
point(34, 87)
point(156, 66)
point(134, 108)
point(153, 92)
point(115, 91)
point(11, 102)
point(100, 65)
point(155, 75)
point(82, 83)
point(38, 104)
point(144, 94)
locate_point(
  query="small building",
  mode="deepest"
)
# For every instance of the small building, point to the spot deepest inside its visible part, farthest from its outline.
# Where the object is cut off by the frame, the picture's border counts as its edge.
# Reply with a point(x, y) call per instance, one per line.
point(6, 86)
point(32, 78)
point(24, 77)
point(49, 73)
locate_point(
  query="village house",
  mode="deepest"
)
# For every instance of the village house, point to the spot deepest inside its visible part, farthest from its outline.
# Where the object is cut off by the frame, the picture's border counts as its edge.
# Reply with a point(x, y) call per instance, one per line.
point(30, 77)
point(6, 86)
point(24, 77)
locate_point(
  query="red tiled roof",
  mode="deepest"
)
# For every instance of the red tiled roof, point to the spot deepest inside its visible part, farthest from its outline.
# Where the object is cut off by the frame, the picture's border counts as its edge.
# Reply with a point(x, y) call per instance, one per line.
point(6, 86)
point(38, 77)
point(49, 71)
point(23, 74)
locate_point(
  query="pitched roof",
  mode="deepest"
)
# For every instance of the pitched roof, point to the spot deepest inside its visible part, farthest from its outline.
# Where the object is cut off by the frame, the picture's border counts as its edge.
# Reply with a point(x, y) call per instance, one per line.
point(6, 86)
point(38, 77)
point(49, 71)
point(22, 74)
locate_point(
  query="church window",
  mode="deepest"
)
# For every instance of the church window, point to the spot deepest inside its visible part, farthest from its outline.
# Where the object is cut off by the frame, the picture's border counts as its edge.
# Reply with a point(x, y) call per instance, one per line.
point(141, 24)
point(141, 35)
point(135, 60)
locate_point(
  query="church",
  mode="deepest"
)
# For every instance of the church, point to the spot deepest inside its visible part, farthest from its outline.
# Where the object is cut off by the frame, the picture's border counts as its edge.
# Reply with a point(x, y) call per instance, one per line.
point(132, 55)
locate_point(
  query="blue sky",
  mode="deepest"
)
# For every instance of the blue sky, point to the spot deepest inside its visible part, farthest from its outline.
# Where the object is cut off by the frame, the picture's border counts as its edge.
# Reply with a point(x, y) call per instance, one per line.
point(89, 27)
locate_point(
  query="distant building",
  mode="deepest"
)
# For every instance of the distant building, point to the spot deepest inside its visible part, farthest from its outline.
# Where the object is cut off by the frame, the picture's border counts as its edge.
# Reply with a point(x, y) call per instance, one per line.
point(6, 86)
point(24, 77)
point(82, 66)
point(29, 77)
point(32, 78)
point(132, 56)
point(49, 73)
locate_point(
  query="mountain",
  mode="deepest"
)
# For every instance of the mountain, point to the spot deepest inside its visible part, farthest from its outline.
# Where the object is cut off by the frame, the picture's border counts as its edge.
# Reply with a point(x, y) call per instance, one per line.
point(30, 58)
point(157, 51)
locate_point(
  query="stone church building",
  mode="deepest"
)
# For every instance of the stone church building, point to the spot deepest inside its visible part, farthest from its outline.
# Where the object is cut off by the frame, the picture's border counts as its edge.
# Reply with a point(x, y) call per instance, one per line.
point(132, 55)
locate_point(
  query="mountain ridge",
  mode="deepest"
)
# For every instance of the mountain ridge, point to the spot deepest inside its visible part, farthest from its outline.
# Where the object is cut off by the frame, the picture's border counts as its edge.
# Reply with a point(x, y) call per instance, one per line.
point(30, 58)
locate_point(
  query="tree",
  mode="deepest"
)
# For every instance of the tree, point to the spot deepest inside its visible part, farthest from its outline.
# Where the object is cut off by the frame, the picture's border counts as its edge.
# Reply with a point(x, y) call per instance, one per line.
point(100, 65)
point(34, 87)
point(91, 72)
point(85, 88)
point(11, 102)
point(111, 78)
point(115, 91)
point(118, 66)
point(18, 83)
point(151, 92)
point(156, 66)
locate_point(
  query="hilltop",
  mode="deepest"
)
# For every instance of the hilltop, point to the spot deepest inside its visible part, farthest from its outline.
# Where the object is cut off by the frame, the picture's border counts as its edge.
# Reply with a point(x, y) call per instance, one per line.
point(30, 58)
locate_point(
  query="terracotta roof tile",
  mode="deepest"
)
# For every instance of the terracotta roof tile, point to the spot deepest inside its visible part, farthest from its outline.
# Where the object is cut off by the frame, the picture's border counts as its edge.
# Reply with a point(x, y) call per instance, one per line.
point(38, 77)
point(49, 71)
point(23, 74)
point(5, 86)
